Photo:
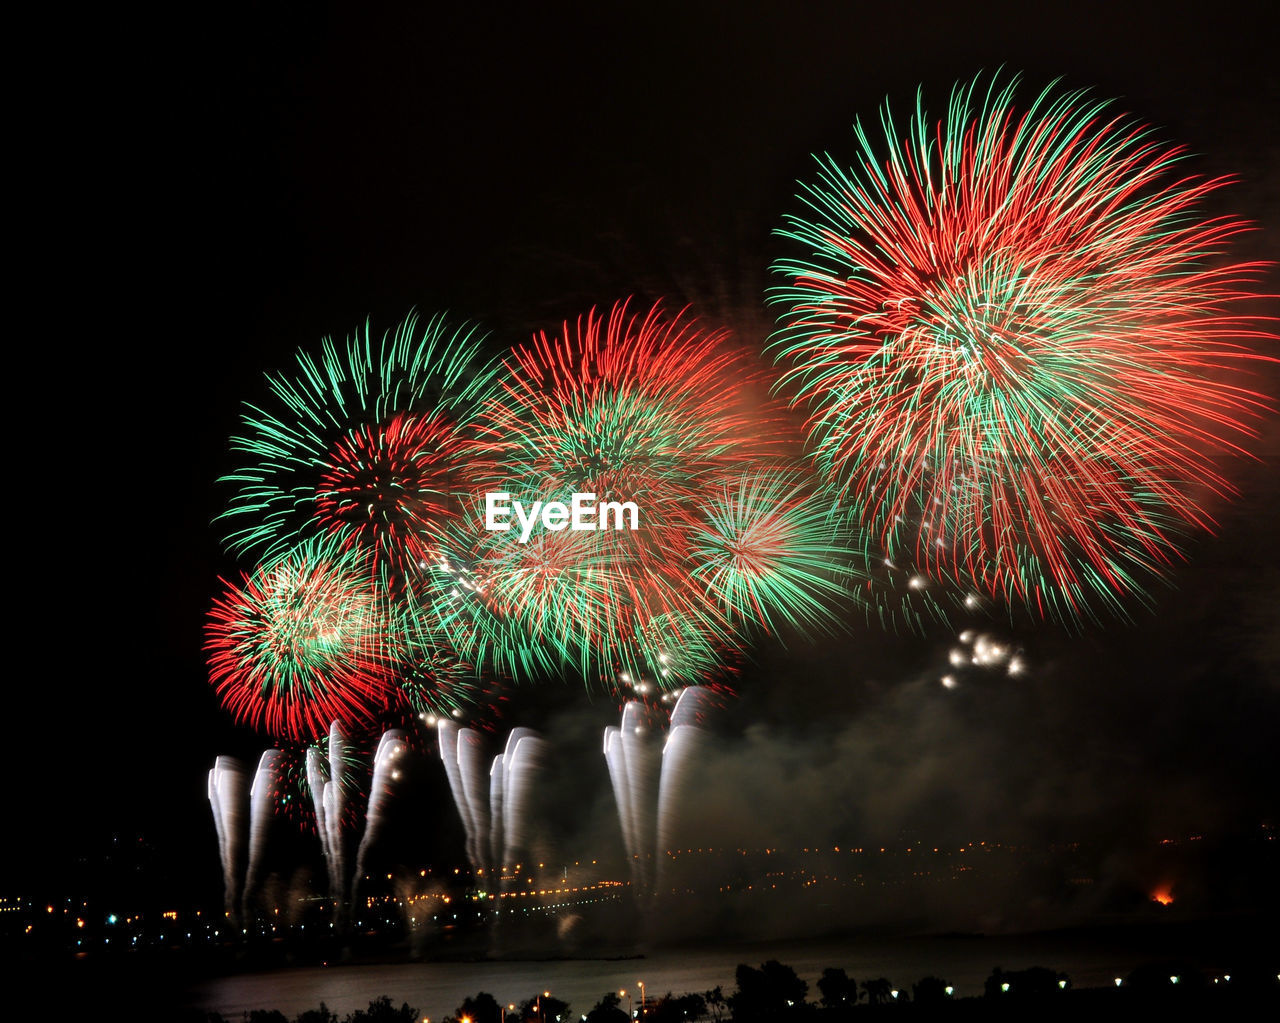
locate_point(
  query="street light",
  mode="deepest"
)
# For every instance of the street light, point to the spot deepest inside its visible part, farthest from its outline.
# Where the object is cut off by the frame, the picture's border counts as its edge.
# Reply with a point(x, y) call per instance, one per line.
point(640, 985)
point(629, 1014)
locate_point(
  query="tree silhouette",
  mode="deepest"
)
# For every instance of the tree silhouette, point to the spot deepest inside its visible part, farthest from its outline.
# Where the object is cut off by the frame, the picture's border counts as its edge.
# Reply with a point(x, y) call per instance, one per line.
point(837, 989)
point(481, 1008)
point(877, 990)
point(716, 1002)
point(930, 991)
point(382, 1011)
point(552, 1010)
point(607, 1010)
point(676, 1009)
point(770, 992)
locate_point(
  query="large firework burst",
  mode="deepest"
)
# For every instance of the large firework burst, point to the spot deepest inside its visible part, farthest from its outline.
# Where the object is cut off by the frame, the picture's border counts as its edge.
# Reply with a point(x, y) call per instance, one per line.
point(1017, 349)
point(303, 641)
point(632, 408)
point(367, 443)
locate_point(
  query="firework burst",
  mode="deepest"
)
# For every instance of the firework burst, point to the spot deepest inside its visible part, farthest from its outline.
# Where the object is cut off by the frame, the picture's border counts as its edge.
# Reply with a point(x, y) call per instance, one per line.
point(770, 551)
point(303, 641)
point(646, 409)
point(368, 443)
point(1017, 347)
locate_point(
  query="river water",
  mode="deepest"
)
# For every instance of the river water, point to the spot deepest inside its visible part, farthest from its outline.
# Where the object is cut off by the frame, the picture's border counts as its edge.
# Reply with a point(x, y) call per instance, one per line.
point(437, 988)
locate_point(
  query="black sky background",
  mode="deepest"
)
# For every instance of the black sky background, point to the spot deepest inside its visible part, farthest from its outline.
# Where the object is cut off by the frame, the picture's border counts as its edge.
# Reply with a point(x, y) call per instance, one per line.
point(212, 189)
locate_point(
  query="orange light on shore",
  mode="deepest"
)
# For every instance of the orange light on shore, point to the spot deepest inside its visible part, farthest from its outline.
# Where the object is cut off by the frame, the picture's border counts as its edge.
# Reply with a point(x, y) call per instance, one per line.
point(1162, 896)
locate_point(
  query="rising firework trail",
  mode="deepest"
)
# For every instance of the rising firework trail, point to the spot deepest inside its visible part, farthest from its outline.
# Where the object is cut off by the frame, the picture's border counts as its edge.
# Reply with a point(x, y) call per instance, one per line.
point(648, 779)
point(228, 800)
point(329, 783)
point(520, 765)
point(499, 785)
point(262, 803)
point(386, 772)
point(492, 797)
point(1020, 347)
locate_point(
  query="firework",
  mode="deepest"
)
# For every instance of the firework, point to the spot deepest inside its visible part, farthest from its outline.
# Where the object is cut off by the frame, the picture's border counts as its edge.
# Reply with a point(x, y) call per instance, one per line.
point(1019, 357)
point(643, 409)
point(985, 652)
point(368, 443)
point(228, 801)
point(303, 641)
point(768, 550)
point(305, 770)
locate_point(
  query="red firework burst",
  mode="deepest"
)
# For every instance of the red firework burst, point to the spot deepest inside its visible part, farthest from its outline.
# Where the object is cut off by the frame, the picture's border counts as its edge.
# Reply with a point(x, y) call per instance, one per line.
point(393, 488)
point(646, 409)
point(304, 641)
point(1018, 349)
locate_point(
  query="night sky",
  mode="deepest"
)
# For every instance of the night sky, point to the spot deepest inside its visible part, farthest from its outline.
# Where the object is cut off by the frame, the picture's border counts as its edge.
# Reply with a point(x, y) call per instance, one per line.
point(214, 188)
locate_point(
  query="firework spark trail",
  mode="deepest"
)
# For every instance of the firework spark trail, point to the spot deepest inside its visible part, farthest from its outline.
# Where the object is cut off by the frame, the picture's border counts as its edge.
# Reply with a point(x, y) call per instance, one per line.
point(386, 771)
point(686, 747)
point(447, 735)
point(331, 800)
point(769, 551)
point(262, 804)
point(1020, 359)
point(228, 799)
point(499, 786)
point(522, 765)
point(475, 791)
point(649, 778)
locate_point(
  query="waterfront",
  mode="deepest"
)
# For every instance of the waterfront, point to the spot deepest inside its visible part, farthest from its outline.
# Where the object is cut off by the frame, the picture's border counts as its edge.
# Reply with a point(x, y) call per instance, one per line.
point(1091, 958)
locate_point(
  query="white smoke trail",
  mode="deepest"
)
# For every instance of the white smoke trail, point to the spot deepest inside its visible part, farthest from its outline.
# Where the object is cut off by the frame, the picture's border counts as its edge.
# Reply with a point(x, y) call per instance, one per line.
point(692, 707)
point(475, 791)
point(316, 783)
point(386, 772)
point(615, 758)
point(447, 735)
point(642, 763)
point(262, 801)
point(227, 799)
point(522, 766)
point(685, 746)
point(510, 806)
point(494, 810)
point(336, 805)
point(647, 780)
point(497, 829)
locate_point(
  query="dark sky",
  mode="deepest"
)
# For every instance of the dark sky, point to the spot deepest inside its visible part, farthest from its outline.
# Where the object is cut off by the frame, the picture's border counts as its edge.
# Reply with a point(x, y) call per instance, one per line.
point(213, 187)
